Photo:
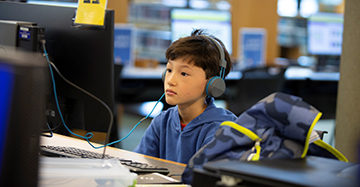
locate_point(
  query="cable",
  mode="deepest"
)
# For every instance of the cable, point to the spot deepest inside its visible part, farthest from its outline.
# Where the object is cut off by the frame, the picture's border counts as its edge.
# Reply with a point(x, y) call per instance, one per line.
point(52, 129)
point(144, 118)
point(51, 133)
point(88, 135)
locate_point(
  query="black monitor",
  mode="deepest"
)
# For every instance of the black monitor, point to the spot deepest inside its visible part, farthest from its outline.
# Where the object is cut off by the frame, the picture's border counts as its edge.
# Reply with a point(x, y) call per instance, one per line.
point(23, 85)
point(83, 54)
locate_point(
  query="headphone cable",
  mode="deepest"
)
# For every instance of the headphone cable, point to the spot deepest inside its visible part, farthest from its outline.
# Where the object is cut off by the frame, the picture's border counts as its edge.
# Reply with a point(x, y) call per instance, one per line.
point(89, 135)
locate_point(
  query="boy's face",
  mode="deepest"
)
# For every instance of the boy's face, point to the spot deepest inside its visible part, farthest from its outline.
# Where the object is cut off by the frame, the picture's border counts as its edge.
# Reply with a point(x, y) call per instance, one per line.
point(184, 83)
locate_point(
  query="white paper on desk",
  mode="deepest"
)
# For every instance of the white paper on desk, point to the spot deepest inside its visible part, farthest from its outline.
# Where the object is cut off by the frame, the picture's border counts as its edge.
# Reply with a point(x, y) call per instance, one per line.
point(83, 172)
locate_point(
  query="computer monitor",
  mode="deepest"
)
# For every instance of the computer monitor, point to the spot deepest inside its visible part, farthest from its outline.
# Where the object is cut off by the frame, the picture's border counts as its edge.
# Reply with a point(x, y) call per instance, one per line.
point(214, 22)
point(83, 54)
point(325, 32)
point(24, 85)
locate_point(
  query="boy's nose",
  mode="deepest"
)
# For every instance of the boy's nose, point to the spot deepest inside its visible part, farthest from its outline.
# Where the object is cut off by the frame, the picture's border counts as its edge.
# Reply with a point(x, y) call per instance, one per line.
point(171, 79)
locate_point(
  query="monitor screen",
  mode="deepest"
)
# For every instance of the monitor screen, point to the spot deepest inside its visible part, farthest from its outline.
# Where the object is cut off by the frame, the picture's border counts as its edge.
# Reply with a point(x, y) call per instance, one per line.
point(23, 85)
point(6, 80)
point(325, 32)
point(83, 54)
point(54, 3)
point(214, 22)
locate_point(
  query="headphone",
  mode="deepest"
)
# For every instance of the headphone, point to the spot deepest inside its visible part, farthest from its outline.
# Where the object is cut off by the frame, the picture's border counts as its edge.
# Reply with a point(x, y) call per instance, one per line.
point(215, 86)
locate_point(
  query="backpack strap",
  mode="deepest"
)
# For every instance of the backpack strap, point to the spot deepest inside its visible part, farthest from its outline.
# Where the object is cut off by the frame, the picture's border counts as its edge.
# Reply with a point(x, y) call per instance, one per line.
point(308, 136)
point(331, 149)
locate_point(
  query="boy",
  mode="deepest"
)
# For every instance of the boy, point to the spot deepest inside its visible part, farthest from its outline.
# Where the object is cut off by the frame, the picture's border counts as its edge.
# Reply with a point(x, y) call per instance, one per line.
point(179, 132)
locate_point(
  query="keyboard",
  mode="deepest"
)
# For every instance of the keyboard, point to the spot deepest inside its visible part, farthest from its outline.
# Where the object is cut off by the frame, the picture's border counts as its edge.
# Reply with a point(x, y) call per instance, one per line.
point(73, 152)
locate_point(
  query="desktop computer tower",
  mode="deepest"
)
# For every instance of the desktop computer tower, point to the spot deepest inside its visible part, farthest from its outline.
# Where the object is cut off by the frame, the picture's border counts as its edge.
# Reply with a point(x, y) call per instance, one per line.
point(24, 78)
point(22, 34)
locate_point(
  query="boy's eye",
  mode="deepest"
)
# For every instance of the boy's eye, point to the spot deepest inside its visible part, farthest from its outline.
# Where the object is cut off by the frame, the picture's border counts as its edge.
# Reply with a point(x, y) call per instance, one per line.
point(168, 70)
point(184, 74)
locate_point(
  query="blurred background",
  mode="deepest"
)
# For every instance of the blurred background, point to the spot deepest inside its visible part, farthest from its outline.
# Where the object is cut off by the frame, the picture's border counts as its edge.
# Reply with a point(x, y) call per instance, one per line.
point(292, 46)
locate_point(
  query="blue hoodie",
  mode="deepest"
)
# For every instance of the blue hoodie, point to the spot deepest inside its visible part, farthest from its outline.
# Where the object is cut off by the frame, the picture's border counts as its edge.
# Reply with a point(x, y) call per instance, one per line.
point(165, 139)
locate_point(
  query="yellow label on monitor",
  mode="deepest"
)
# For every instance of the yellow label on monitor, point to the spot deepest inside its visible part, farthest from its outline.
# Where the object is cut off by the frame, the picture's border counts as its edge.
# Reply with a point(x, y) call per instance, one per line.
point(91, 12)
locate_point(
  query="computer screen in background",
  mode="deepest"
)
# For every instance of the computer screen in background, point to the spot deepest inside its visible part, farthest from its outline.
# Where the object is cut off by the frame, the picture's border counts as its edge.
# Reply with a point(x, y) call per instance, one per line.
point(84, 55)
point(214, 22)
point(325, 32)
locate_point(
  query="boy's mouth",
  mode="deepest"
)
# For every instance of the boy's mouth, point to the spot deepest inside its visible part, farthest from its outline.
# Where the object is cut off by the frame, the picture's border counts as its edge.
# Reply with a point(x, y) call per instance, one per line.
point(170, 92)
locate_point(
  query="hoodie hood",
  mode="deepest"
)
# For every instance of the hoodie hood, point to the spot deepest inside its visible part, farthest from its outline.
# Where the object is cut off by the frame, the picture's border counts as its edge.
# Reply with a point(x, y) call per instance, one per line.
point(211, 114)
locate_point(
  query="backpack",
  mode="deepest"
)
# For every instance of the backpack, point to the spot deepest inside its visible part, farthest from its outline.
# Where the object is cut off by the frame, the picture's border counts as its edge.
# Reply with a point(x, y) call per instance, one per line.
point(277, 127)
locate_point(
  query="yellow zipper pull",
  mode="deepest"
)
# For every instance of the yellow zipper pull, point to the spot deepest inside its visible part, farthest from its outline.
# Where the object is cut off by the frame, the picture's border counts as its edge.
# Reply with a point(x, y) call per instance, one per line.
point(255, 156)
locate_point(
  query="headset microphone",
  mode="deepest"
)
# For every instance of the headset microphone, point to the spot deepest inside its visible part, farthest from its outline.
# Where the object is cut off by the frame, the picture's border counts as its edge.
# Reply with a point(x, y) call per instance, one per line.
point(215, 87)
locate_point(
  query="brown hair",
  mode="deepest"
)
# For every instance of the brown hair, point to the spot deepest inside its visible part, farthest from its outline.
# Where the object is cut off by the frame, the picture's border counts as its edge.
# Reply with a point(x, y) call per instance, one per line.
point(201, 51)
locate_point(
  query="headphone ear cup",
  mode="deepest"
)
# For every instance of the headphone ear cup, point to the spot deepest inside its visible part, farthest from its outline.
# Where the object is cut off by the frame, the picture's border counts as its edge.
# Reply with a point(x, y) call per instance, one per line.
point(215, 87)
point(163, 76)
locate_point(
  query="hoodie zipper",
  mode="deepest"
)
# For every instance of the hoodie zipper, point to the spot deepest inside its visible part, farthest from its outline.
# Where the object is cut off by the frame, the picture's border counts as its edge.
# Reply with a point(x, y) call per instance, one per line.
point(256, 149)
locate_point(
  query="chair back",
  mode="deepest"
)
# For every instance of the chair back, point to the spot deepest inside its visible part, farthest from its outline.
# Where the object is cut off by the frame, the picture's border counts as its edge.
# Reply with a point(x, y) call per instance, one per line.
point(255, 84)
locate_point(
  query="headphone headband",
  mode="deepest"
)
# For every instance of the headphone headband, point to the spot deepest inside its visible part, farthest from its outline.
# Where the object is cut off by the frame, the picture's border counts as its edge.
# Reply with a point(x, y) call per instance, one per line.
point(222, 62)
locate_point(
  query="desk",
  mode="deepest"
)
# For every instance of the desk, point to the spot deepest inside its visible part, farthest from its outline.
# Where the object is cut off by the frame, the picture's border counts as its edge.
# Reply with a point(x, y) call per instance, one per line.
point(301, 73)
point(60, 140)
point(316, 88)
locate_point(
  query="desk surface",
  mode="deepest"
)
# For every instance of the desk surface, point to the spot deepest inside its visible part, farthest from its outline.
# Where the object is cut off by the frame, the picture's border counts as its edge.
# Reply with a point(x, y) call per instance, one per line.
point(175, 168)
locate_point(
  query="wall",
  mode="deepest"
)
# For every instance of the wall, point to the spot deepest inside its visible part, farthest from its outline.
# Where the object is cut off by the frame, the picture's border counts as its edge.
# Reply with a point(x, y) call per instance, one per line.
point(256, 13)
point(121, 9)
point(347, 132)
